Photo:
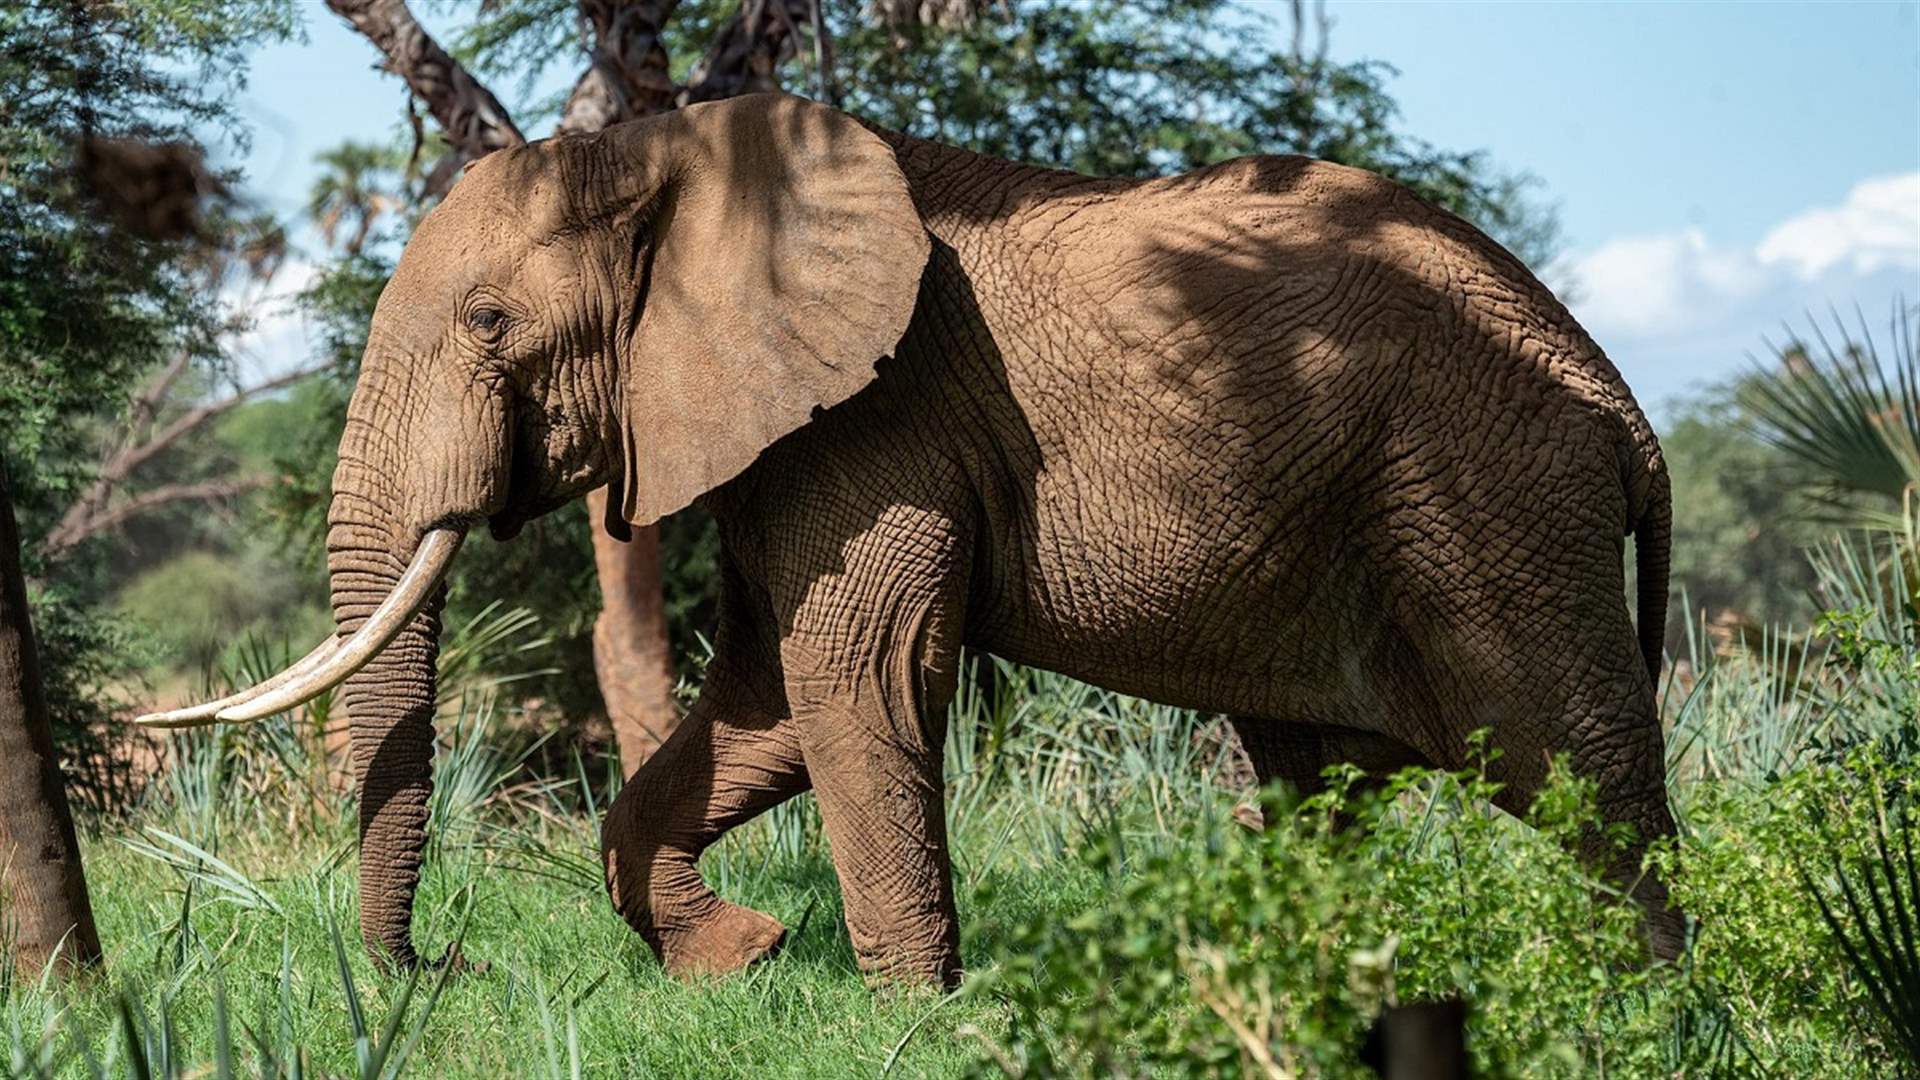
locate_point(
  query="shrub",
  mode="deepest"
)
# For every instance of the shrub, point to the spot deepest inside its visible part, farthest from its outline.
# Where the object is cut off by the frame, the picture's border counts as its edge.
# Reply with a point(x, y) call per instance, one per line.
point(1269, 953)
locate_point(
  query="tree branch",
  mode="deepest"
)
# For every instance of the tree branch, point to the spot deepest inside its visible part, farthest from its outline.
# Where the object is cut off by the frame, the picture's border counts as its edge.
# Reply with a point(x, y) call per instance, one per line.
point(146, 404)
point(473, 120)
point(823, 59)
point(210, 490)
point(69, 534)
point(945, 14)
point(88, 516)
point(198, 416)
point(748, 50)
point(626, 74)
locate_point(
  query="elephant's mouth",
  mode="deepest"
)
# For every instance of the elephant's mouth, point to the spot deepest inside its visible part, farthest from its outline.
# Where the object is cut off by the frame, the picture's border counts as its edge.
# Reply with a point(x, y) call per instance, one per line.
point(507, 524)
point(521, 507)
point(529, 491)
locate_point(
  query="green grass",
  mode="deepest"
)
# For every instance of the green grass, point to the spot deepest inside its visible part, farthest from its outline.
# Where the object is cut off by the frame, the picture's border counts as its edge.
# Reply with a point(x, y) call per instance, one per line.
point(556, 956)
point(1115, 920)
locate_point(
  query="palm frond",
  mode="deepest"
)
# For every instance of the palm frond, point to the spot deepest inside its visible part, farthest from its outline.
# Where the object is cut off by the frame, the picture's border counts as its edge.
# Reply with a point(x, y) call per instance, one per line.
point(1876, 921)
point(1846, 414)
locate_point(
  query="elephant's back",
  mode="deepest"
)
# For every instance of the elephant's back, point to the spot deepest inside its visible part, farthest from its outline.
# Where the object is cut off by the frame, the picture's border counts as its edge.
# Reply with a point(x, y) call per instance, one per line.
point(1243, 381)
point(1297, 318)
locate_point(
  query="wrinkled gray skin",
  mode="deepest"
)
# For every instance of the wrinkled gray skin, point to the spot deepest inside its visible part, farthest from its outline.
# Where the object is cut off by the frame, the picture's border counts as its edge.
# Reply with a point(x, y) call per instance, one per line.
point(1274, 439)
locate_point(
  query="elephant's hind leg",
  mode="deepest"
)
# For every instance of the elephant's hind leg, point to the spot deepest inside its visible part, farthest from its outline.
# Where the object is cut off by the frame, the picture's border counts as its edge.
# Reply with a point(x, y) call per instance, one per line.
point(1559, 672)
point(731, 760)
point(1613, 738)
point(1297, 753)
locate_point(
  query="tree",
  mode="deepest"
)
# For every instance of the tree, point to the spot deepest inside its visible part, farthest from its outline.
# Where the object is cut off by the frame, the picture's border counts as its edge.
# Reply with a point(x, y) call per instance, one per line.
point(1848, 417)
point(356, 188)
point(1148, 87)
point(1739, 549)
point(49, 915)
point(109, 221)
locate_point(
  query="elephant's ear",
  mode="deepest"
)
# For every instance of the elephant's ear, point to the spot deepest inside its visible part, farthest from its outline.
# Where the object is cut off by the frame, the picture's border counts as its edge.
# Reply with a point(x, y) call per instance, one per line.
point(780, 255)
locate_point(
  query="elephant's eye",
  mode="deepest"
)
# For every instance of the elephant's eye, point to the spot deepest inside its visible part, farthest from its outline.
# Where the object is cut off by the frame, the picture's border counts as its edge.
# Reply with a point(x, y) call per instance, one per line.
point(488, 322)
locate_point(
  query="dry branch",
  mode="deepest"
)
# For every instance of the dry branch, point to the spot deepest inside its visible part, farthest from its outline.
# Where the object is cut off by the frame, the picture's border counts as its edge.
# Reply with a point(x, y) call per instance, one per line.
point(92, 513)
point(473, 120)
point(166, 494)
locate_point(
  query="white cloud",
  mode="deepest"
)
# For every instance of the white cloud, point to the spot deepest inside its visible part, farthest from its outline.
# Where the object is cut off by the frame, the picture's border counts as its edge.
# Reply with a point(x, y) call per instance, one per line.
point(1649, 284)
point(1877, 226)
point(1673, 309)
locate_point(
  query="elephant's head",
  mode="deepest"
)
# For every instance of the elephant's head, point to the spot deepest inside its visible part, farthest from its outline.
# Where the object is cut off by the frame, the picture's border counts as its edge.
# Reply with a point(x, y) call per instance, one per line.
point(648, 308)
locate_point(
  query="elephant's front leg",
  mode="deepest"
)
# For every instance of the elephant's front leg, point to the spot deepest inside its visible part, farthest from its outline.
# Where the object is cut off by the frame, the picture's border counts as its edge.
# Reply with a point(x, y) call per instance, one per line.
point(870, 663)
point(734, 757)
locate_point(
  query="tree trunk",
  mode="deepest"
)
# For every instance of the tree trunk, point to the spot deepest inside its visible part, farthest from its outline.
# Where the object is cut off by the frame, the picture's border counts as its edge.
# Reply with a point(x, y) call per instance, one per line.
point(631, 654)
point(43, 889)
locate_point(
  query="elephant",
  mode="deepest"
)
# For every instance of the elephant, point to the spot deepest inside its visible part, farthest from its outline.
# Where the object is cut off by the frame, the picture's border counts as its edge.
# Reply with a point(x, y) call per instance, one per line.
point(1274, 439)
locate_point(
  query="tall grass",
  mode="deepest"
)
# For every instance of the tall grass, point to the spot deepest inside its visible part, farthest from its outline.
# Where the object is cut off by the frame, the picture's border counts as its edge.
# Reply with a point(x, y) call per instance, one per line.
point(1083, 824)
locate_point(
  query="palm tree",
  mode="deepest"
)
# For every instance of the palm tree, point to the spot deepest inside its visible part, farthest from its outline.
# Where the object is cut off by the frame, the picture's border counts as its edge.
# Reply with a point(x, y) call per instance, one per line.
point(359, 185)
point(1848, 416)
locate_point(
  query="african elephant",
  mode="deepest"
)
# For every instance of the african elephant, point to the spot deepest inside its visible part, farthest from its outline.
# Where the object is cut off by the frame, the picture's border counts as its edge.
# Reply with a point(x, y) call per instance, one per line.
point(1274, 439)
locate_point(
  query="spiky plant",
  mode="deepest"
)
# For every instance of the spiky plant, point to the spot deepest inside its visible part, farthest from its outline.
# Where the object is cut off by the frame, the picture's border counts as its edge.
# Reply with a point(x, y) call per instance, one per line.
point(1876, 920)
point(1847, 414)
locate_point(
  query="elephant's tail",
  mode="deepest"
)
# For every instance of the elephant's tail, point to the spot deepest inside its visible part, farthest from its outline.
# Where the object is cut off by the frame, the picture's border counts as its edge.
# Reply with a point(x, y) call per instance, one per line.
point(1653, 543)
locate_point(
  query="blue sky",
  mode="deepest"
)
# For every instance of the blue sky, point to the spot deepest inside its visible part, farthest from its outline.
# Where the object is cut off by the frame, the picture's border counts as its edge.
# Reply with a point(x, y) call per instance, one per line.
point(1719, 167)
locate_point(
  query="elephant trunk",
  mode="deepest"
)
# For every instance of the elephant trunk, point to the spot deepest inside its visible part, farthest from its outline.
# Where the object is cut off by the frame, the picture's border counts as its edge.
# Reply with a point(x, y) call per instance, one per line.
point(390, 708)
point(382, 569)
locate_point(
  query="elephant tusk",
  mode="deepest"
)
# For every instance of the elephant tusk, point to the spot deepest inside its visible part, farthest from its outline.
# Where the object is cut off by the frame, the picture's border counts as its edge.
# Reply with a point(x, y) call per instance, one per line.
point(409, 594)
point(202, 715)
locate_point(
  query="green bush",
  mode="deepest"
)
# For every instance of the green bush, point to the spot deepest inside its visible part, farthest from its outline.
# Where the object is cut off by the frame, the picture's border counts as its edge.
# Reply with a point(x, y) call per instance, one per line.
point(1269, 953)
point(200, 605)
point(1242, 953)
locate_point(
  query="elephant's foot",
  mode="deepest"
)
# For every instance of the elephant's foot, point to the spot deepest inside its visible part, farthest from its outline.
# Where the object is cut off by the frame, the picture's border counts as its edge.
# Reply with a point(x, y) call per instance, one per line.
point(911, 970)
point(731, 939)
point(1662, 926)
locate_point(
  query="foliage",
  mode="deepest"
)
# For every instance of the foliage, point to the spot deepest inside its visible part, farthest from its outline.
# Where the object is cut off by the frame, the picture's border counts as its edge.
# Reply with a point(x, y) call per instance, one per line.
point(1877, 917)
point(1760, 941)
point(1137, 89)
point(85, 304)
point(1104, 87)
point(88, 305)
point(1847, 416)
point(83, 654)
point(1738, 546)
point(1269, 953)
point(361, 183)
point(199, 604)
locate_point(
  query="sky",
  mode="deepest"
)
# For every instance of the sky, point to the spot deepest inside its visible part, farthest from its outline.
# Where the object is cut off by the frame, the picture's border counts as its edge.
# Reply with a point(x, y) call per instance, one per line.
point(1721, 170)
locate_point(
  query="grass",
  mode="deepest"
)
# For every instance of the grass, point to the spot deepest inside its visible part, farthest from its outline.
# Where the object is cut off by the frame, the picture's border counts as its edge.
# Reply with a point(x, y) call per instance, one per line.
point(558, 961)
point(1115, 920)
